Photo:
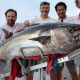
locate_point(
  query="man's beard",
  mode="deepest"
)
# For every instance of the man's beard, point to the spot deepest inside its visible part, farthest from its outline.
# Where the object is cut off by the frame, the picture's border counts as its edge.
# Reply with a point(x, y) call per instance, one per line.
point(78, 5)
point(11, 23)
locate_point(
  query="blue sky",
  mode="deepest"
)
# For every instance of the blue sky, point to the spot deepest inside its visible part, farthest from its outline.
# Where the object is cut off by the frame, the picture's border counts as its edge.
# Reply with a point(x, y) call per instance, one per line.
point(28, 9)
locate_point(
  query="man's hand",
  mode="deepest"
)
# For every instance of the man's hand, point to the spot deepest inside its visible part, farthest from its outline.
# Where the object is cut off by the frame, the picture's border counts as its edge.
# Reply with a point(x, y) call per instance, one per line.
point(26, 23)
point(7, 35)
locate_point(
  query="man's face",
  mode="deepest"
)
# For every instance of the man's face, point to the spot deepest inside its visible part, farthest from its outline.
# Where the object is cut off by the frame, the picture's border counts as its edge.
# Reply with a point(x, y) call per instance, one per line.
point(61, 11)
point(78, 3)
point(44, 9)
point(11, 18)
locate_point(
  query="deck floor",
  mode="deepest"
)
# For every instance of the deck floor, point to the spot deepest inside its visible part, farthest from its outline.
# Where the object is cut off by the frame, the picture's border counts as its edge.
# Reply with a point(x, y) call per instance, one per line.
point(66, 75)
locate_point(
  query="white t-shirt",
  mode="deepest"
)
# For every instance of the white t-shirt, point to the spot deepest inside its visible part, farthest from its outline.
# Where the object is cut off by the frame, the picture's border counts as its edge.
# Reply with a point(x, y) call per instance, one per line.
point(66, 20)
point(37, 20)
point(17, 27)
point(75, 19)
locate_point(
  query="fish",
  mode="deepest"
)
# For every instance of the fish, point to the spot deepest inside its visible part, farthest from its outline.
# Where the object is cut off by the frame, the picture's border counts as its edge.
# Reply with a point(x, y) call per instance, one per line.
point(42, 39)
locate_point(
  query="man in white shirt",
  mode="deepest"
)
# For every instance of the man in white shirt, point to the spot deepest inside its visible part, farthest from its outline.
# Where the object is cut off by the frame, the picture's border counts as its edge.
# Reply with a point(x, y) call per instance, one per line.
point(10, 26)
point(76, 20)
point(8, 30)
point(61, 8)
point(43, 18)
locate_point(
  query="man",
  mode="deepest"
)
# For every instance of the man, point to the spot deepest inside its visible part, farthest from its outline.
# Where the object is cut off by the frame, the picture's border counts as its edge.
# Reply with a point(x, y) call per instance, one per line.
point(8, 30)
point(76, 20)
point(61, 8)
point(43, 18)
point(62, 17)
point(10, 27)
